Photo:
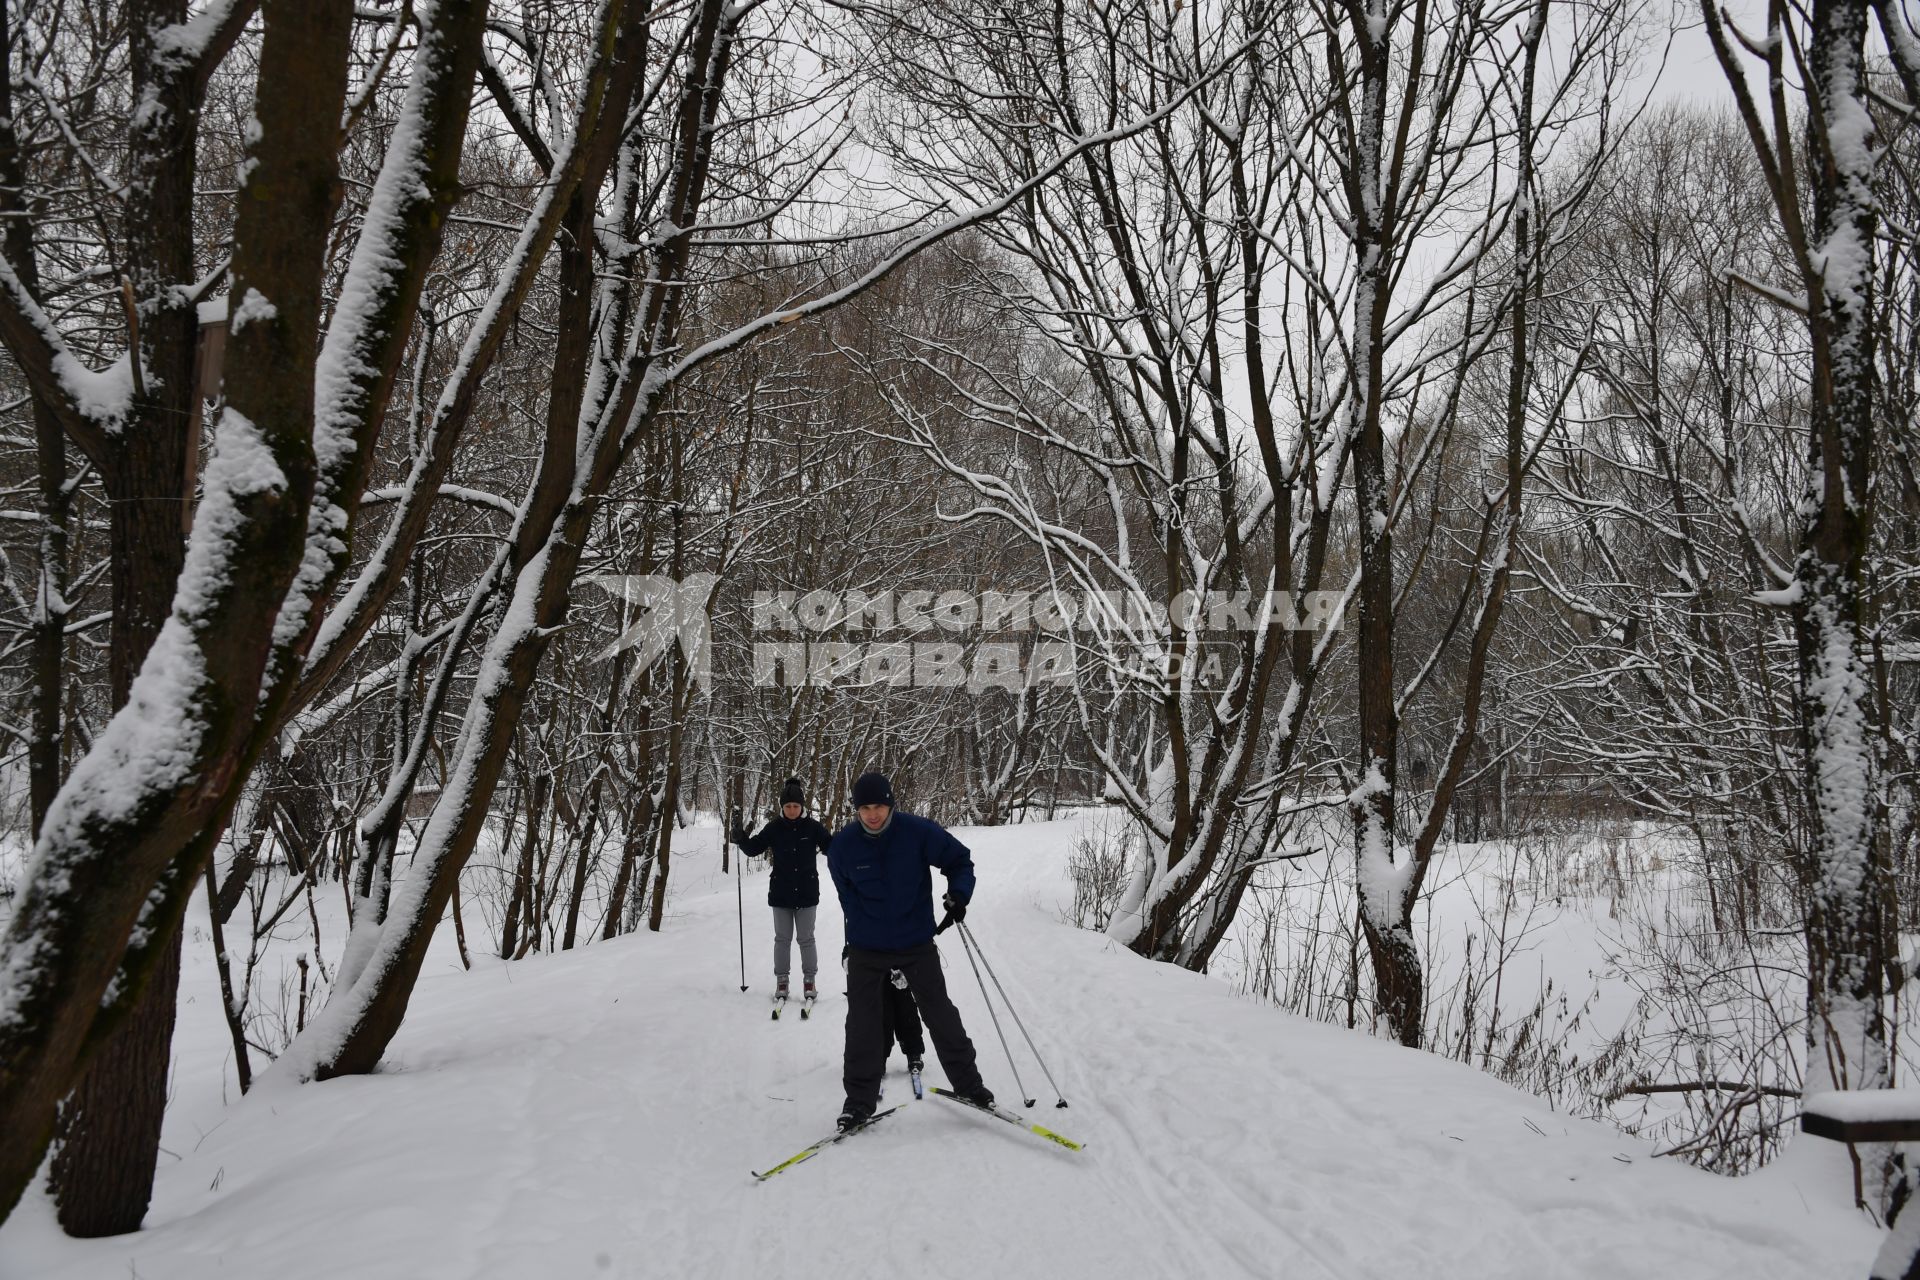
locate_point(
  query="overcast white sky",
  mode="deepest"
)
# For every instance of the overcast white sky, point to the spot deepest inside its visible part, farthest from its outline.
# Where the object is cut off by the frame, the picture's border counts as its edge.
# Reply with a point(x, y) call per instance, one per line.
point(1693, 75)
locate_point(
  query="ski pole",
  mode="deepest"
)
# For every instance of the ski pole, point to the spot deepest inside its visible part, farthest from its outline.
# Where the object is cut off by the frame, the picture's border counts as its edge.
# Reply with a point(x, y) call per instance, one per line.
point(966, 936)
point(739, 899)
point(988, 1001)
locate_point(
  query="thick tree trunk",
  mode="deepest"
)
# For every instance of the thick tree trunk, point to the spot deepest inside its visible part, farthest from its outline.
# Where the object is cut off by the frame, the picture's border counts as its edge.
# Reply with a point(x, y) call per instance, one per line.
point(1845, 937)
point(107, 1141)
point(1839, 868)
point(106, 888)
point(109, 1129)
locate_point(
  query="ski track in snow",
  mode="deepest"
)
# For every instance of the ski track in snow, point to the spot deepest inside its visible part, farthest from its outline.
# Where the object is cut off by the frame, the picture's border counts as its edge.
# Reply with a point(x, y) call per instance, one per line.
point(598, 1113)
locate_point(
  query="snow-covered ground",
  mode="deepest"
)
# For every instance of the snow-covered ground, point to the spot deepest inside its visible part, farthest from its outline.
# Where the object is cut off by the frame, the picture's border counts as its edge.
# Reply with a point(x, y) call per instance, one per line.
point(1575, 960)
point(597, 1113)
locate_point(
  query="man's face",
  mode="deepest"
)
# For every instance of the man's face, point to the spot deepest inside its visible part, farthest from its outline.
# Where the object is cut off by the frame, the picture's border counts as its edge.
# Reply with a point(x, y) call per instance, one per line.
point(790, 810)
point(874, 816)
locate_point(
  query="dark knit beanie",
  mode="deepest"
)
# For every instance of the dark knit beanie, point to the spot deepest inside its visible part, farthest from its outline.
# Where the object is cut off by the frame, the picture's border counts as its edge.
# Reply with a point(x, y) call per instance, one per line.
point(872, 788)
point(793, 792)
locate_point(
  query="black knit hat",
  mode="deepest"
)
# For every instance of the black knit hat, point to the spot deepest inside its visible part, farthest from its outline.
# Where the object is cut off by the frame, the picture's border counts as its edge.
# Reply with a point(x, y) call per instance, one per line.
point(793, 793)
point(872, 788)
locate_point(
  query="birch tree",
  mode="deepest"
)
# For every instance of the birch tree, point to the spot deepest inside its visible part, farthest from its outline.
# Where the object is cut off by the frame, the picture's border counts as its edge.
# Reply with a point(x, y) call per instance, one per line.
point(1830, 233)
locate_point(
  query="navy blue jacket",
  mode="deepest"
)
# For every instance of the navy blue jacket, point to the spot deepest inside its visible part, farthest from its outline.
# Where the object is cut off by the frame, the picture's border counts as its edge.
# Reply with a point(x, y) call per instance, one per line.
point(886, 883)
point(791, 848)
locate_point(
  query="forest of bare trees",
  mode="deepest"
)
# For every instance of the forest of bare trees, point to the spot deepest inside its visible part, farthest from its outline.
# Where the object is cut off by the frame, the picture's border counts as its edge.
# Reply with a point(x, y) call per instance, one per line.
point(1313, 438)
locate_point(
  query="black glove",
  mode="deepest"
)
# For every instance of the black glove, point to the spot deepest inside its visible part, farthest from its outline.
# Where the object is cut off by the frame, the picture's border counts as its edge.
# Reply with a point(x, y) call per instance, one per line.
point(740, 835)
point(956, 907)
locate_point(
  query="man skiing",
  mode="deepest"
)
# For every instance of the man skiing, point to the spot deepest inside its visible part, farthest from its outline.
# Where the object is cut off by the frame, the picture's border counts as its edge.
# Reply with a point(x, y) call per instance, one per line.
point(881, 866)
point(791, 842)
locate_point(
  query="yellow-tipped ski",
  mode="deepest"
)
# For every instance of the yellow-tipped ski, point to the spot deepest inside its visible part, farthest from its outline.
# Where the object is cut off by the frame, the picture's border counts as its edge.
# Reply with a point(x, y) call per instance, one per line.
point(1051, 1136)
point(1018, 1122)
point(790, 1162)
point(824, 1143)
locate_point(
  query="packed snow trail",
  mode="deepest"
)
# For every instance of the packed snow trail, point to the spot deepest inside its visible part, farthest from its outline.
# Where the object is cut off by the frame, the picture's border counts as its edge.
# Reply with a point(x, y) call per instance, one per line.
point(599, 1113)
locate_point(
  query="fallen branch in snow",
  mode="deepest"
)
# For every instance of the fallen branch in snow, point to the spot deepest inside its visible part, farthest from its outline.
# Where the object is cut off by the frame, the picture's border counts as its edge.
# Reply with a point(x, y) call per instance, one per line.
point(1703, 1086)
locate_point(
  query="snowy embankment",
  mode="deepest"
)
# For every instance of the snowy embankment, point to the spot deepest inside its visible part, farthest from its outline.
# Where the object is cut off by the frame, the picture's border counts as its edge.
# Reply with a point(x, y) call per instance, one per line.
point(597, 1113)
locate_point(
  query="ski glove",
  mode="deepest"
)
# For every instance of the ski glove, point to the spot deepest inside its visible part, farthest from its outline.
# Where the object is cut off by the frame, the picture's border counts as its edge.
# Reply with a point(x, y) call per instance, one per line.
point(956, 907)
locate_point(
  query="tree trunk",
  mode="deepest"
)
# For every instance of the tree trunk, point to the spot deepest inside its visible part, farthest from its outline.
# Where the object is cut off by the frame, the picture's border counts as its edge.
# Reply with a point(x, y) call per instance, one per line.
point(1846, 969)
point(638, 824)
point(109, 1129)
point(107, 889)
point(677, 703)
point(49, 618)
point(236, 1029)
point(1396, 960)
point(1835, 251)
point(108, 1135)
point(523, 895)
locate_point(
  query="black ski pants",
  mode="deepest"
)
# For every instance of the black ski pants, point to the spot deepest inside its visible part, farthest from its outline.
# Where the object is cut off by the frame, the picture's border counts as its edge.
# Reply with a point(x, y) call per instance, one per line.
point(903, 1020)
point(869, 1037)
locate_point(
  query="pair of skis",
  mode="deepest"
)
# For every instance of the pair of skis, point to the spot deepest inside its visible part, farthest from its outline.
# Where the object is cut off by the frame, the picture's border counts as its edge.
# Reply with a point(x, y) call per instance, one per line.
point(998, 1113)
point(806, 1007)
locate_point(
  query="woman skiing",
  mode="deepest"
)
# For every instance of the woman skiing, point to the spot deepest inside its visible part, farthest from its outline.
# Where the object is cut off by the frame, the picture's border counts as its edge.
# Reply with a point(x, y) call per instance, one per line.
point(792, 842)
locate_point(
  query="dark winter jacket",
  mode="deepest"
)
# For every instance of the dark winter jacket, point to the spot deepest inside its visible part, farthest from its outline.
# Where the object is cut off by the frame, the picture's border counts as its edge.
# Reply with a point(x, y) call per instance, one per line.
point(885, 882)
point(792, 848)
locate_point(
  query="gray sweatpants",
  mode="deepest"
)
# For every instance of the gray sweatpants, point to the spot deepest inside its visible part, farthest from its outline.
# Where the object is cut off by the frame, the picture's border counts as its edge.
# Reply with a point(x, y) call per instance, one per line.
point(785, 921)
